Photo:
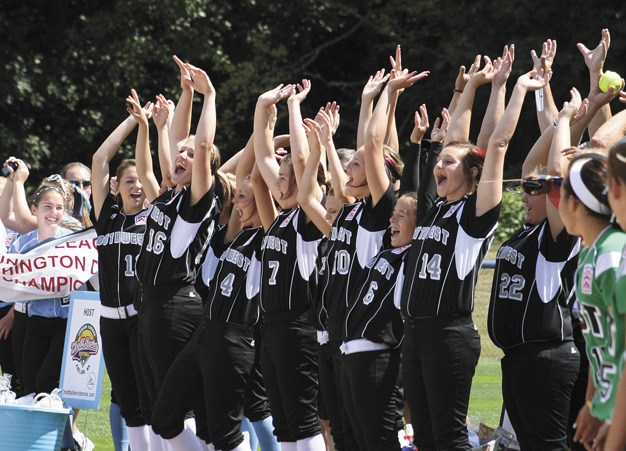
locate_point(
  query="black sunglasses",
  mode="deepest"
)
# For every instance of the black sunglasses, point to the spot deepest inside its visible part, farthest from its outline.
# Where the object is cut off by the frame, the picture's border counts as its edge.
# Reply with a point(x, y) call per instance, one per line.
point(83, 184)
point(541, 185)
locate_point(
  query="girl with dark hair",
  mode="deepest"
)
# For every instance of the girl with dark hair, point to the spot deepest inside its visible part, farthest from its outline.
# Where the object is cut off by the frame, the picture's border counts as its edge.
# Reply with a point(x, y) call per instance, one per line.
point(442, 346)
point(585, 211)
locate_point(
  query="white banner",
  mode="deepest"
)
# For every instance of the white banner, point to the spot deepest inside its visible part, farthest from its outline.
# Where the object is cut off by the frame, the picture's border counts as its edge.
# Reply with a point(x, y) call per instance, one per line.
point(51, 270)
point(83, 363)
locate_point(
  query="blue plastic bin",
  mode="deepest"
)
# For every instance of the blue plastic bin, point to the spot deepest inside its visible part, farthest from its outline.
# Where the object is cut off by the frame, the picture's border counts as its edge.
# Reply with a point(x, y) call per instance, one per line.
point(29, 428)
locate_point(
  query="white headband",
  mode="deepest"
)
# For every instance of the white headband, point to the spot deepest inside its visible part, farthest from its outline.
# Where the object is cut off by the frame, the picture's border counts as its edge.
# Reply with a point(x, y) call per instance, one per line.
point(581, 190)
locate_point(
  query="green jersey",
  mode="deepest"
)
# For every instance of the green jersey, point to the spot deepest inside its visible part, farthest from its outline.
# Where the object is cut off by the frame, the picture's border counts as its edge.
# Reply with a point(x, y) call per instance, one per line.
point(603, 325)
point(619, 300)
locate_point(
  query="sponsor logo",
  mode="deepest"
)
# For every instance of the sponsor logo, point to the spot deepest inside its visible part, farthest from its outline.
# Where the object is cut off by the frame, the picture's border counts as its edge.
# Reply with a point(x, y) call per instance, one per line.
point(84, 346)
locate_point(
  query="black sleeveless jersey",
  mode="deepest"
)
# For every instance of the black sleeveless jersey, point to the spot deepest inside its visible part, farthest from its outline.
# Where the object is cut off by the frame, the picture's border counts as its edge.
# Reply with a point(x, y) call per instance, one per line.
point(372, 313)
point(176, 237)
point(288, 254)
point(119, 241)
point(532, 281)
point(356, 236)
point(447, 251)
point(229, 282)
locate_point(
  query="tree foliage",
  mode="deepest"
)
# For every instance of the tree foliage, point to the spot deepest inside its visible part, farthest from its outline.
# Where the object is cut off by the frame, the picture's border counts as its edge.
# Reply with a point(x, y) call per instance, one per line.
point(68, 65)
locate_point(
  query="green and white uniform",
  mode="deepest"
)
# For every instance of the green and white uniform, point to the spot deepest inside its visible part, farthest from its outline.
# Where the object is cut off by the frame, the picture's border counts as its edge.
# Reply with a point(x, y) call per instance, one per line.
point(619, 299)
point(603, 326)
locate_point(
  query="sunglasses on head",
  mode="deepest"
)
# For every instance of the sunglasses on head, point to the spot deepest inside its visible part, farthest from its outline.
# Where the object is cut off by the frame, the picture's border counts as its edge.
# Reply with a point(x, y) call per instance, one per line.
point(81, 184)
point(541, 185)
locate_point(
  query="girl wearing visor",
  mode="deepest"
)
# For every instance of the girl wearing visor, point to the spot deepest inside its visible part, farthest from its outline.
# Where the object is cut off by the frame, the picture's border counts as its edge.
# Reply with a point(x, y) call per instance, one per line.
point(529, 318)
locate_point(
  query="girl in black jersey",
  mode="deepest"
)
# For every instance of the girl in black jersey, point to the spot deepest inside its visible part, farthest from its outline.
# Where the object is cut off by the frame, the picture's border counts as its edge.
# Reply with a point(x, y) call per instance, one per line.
point(212, 372)
point(355, 237)
point(441, 346)
point(179, 224)
point(288, 252)
point(529, 318)
point(120, 224)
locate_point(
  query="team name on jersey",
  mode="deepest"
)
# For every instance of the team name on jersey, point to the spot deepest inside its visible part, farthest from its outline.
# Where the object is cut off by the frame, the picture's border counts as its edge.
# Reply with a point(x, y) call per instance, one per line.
point(235, 257)
point(511, 255)
point(159, 217)
point(433, 233)
point(120, 237)
point(275, 243)
point(342, 234)
point(383, 267)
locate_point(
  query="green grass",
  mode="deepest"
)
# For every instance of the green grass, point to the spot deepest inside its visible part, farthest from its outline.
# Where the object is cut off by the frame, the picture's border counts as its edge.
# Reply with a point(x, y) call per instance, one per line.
point(485, 402)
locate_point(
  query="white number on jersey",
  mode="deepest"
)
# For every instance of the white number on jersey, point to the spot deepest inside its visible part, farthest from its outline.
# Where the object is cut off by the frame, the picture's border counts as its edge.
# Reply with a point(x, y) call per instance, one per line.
point(342, 262)
point(606, 371)
point(369, 296)
point(511, 287)
point(431, 268)
point(274, 265)
point(591, 320)
point(156, 245)
point(130, 272)
point(227, 285)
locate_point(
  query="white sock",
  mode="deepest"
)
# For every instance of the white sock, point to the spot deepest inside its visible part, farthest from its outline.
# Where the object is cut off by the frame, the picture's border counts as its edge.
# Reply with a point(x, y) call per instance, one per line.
point(138, 437)
point(185, 441)
point(288, 446)
point(408, 429)
point(156, 444)
point(208, 446)
point(313, 443)
point(190, 423)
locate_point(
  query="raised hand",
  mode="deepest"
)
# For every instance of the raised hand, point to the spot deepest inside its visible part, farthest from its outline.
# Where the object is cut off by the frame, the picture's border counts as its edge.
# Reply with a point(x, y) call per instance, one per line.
point(137, 112)
point(420, 118)
point(534, 80)
point(485, 75)
point(571, 107)
point(622, 96)
point(184, 73)
point(273, 96)
point(594, 59)
point(546, 59)
point(198, 80)
point(441, 127)
point(313, 131)
point(406, 79)
point(503, 66)
point(160, 111)
point(463, 77)
point(272, 116)
point(374, 84)
point(302, 92)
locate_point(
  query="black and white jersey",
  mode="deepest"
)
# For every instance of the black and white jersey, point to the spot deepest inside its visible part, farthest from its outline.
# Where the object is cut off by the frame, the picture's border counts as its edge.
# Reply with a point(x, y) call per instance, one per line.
point(356, 236)
point(229, 282)
point(119, 241)
point(318, 314)
point(533, 278)
point(442, 266)
point(176, 237)
point(288, 254)
point(372, 313)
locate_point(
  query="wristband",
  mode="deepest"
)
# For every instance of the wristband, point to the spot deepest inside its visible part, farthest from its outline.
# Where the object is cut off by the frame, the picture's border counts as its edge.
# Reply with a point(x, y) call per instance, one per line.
point(588, 404)
point(554, 122)
point(458, 90)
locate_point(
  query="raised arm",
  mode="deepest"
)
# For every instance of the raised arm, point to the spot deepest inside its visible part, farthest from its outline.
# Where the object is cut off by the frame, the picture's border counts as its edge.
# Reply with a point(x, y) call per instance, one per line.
point(181, 122)
point(263, 198)
point(101, 159)
point(461, 80)
point(557, 163)
point(462, 115)
point(309, 191)
point(298, 142)
point(489, 191)
point(495, 107)
point(161, 117)
point(594, 60)
point(6, 201)
point(391, 134)
point(263, 137)
point(143, 157)
point(25, 221)
point(202, 175)
point(370, 91)
point(375, 172)
point(546, 108)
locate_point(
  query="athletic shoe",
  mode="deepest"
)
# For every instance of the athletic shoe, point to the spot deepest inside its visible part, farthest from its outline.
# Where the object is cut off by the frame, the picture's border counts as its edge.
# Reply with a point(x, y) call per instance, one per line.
point(84, 444)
